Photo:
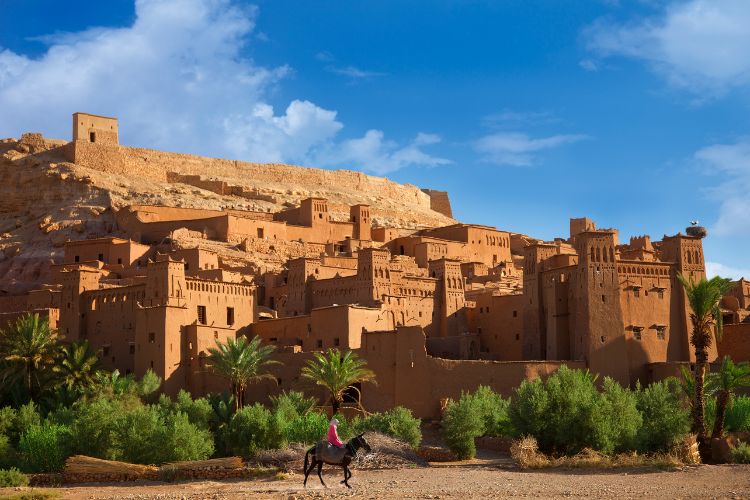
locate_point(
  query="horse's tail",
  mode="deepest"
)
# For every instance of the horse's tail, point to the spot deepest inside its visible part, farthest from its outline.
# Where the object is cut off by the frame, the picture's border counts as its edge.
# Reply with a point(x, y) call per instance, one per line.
point(307, 457)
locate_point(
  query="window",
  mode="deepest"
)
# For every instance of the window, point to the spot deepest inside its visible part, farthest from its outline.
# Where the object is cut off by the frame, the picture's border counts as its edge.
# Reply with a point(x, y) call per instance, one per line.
point(336, 342)
point(604, 298)
point(202, 315)
point(151, 338)
point(101, 257)
point(230, 316)
point(636, 292)
point(106, 350)
point(479, 330)
point(515, 314)
point(119, 260)
point(319, 344)
point(152, 364)
point(260, 232)
point(132, 349)
point(637, 332)
point(661, 332)
point(518, 337)
point(216, 335)
point(660, 293)
point(77, 258)
point(92, 136)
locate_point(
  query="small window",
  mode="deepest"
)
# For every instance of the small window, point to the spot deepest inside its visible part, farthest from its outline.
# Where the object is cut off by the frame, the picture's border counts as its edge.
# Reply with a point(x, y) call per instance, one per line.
point(77, 258)
point(230, 316)
point(637, 332)
point(202, 315)
point(661, 332)
point(101, 257)
point(106, 350)
point(119, 260)
point(151, 338)
point(152, 364)
point(132, 349)
point(273, 339)
point(636, 292)
point(92, 136)
point(479, 330)
point(604, 298)
point(216, 335)
point(515, 314)
point(518, 337)
point(603, 339)
point(660, 293)
point(319, 344)
point(260, 232)
point(336, 342)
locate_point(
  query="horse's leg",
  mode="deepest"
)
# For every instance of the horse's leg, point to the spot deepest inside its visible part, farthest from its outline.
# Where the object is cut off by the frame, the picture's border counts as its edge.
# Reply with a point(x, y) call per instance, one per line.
point(309, 470)
point(320, 473)
point(347, 475)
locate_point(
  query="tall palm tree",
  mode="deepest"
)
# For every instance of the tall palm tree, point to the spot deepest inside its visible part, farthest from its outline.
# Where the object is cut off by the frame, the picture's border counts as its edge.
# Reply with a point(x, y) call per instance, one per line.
point(241, 362)
point(704, 298)
point(729, 378)
point(29, 347)
point(337, 372)
point(77, 366)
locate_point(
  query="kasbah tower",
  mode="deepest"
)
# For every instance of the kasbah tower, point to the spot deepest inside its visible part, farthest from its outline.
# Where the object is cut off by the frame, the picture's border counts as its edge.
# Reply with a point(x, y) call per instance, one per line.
point(435, 306)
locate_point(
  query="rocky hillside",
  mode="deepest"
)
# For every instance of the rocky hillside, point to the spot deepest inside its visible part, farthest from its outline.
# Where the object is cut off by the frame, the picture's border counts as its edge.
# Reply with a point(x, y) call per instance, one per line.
point(46, 200)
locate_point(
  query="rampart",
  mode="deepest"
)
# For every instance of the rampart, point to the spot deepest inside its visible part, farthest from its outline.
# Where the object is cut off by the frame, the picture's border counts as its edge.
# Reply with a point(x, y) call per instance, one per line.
point(440, 202)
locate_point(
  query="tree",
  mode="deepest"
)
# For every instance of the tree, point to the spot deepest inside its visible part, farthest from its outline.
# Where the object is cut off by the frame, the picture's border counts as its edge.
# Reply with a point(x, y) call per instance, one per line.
point(28, 347)
point(241, 362)
point(77, 366)
point(729, 378)
point(337, 373)
point(704, 298)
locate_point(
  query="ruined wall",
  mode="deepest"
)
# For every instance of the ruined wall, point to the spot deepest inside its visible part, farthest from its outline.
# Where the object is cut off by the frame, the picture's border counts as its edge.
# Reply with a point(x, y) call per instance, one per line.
point(440, 202)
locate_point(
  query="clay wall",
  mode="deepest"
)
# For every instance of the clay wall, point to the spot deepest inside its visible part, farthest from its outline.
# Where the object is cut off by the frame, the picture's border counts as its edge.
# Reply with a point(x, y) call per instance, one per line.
point(114, 253)
point(498, 320)
point(95, 129)
point(440, 202)
point(197, 340)
point(735, 342)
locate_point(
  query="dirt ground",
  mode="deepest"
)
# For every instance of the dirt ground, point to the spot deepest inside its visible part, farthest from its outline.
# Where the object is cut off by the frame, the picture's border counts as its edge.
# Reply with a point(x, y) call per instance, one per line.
point(460, 480)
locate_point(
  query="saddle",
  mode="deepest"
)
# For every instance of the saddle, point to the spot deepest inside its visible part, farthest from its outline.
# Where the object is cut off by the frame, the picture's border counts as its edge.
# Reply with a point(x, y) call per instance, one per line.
point(328, 453)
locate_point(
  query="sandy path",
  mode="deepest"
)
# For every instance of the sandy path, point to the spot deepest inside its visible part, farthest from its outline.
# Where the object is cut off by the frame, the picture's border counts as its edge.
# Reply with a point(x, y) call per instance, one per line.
point(458, 481)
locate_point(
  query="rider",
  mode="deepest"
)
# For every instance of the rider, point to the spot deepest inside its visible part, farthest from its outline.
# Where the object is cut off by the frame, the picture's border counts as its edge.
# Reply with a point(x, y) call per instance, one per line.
point(333, 435)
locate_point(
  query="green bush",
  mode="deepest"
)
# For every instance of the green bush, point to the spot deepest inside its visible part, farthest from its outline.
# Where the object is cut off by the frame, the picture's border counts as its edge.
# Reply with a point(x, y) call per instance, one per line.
point(615, 419)
point(8, 455)
point(461, 424)
point(494, 411)
point(397, 422)
point(94, 425)
point(26, 417)
point(7, 420)
point(741, 453)
point(145, 436)
point(738, 415)
point(665, 419)
point(307, 428)
point(199, 411)
point(253, 428)
point(12, 478)
point(567, 413)
point(44, 448)
point(293, 401)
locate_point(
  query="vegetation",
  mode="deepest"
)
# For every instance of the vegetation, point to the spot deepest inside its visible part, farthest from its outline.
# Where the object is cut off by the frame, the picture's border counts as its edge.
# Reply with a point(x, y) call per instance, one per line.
point(704, 297)
point(741, 453)
point(337, 373)
point(11, 478)
point(28, 349)
point(483, 413)
point(241, 362)
point(729, 378)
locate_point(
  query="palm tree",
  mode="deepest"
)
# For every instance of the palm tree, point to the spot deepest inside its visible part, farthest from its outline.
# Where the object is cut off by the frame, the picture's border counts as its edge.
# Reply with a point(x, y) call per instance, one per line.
point(241, 362)
point(337, 373)
point(77, 366)
point(29, 346)
point(704, 297)
point(729, 378)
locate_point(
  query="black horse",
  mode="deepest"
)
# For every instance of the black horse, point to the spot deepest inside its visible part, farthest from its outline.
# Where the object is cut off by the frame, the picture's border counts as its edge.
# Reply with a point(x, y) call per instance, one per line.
point(325, 453)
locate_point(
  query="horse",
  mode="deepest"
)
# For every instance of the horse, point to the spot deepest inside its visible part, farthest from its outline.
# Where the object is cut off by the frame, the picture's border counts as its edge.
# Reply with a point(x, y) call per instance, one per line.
point(326, 453)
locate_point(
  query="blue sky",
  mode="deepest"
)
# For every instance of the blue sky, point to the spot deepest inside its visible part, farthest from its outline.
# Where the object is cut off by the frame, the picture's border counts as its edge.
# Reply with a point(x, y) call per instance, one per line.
point(634, 113)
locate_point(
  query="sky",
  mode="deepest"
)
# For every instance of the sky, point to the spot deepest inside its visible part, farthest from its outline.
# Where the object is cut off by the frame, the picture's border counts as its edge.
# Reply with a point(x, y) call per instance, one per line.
point(528, 112)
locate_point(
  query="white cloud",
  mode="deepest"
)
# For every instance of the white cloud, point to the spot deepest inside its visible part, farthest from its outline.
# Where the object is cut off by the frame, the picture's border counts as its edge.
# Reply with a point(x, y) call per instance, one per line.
point(700, 45)
point(717, 269)
point(178, 81)
point(517, 149)
point(353, 72)
point(732, 163)
point(382, 156)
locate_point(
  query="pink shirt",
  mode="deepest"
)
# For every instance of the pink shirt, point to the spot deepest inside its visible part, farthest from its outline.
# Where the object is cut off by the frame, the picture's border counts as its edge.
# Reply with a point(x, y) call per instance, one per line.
point(333, 436)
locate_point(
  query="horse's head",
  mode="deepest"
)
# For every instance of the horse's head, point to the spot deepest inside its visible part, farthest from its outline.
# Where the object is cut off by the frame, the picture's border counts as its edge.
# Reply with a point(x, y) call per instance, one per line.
point(362, 443)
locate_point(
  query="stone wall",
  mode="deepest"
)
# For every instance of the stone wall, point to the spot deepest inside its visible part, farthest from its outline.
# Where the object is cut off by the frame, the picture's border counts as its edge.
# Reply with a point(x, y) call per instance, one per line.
point(440, 202)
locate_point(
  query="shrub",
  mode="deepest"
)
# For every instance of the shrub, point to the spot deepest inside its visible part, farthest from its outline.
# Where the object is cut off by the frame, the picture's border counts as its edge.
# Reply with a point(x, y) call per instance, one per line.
point(461, 424)
point(665, 419)
point(528, 409)
point(27, 416)
point(199, 411)
point(253, 428)
point(307, 428)
point(494, 411)
point(145, 436)
point(293, 401)
point(741, 453)
point(397, 422)
point(738, 415)
point(615, 418)
point(94, 425)
point(12, 478)
point(7, 420)
point(44, 448)
point(8, 455)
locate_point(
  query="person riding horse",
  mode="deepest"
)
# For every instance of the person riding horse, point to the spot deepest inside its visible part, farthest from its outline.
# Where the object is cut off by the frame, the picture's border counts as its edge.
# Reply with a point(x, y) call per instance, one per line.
point(333, 452)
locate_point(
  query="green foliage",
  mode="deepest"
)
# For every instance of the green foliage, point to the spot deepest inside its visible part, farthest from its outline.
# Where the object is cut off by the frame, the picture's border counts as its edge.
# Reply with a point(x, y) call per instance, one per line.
point(144, 435)
point(738, 415)
point(253, 428)
point(295, 401)
point(44, 448)
point(8, 455)
point(94, 424)
point(336, 372)
point(26, 417)
point(494, 411)
point(12, 478)
point(397, 422)
point(461, 424)
point(76, 366)
point(615, 419)
point(148, 385)
point(665, 420)
point(741, 453)
point(528, 407)
point(7, 420)
point(199, 411)
point(307, 428)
